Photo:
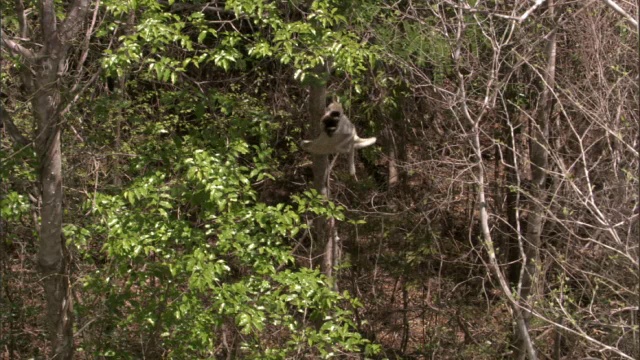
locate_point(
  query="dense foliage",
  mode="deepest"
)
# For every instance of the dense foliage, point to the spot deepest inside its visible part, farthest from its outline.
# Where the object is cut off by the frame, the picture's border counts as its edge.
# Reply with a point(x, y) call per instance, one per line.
point(497, 216)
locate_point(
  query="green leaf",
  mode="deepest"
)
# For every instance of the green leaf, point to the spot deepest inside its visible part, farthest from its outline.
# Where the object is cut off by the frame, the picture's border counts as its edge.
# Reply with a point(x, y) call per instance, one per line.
point(202, 36)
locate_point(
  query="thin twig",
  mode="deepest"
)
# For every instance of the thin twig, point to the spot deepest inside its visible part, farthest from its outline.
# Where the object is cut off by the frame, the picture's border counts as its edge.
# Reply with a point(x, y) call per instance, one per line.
point(612, 4)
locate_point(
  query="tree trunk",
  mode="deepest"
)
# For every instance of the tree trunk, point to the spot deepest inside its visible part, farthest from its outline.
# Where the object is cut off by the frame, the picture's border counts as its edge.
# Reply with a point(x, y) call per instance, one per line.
point(512, 204)
point(324, 228)
point(317, 104)
point(522, 327)
point(636, 332)
point(538, 161)
point(392, 153)
point(47, 65)
point(530, 275)
point(511, 244)
point(52, 254)
point(396, 144)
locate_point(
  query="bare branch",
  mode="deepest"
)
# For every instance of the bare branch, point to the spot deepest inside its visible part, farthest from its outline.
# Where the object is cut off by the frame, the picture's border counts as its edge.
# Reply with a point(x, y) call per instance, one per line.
point(12, 129)
point(88, 33)
point(472, 10)
point(48, 23)
point(207, 8)
point(22, 18)
point(526, 14)
point(16, 48)
point(73, 22)
point(612, 4)
point(579, 332)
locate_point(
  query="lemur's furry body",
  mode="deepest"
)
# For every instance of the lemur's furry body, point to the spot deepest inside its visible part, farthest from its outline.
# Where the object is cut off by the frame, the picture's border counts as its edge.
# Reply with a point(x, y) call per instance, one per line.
point(338, 136)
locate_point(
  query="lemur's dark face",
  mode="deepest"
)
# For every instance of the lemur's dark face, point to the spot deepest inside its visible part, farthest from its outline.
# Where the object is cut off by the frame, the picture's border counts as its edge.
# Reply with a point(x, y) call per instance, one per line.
point(331, 124)
point(331, 118)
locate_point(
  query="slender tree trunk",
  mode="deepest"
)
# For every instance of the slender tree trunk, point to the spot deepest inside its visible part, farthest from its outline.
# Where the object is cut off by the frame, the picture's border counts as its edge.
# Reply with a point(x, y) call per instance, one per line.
point(392, 153)
point(530, 274)
point(512, 243)
point(52, 252)
point(406, 330)
point(325, 229)
point(394, 134)
point(317, 104)
point(522, 328)
point(636, 333)
point(538, 160)
point(512, 205)
point(52, 259)
point(46, 66)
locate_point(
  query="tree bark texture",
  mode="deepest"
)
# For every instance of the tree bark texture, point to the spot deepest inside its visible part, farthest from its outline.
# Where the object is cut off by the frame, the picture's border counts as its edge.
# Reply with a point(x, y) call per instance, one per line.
point(52, 259)
point(317, 104)
point(396, 146)
point(636, 332)
point(521, 326)
point(510, 136)
point(324, 228)
point(392, 153)
point(530, 273)
point(47, 67)
point(512, 203)
point(538, 160)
